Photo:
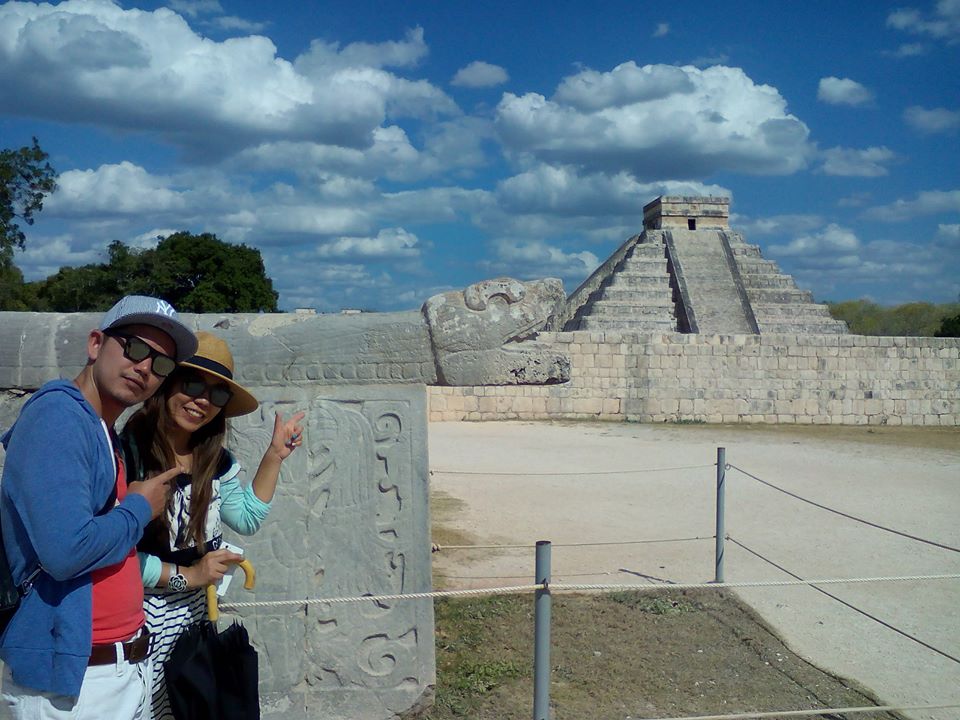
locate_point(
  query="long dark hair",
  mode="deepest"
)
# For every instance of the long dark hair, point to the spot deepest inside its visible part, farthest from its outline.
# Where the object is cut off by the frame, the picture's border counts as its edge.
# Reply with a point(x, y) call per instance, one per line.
point(146, 429)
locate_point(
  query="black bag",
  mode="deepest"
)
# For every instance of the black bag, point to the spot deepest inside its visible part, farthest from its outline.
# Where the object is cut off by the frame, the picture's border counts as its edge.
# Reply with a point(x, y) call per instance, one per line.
point(10, 592)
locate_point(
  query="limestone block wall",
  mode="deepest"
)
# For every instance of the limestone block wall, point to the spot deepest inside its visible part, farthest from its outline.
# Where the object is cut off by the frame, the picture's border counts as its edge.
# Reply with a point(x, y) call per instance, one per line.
point(822, 379)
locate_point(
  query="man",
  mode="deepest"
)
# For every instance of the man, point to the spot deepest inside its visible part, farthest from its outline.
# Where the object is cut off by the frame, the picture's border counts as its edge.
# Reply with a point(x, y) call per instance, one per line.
point(76, 645)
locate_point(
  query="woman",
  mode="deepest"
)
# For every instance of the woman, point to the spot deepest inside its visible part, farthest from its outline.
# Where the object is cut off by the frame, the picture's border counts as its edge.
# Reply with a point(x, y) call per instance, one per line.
point(180, 554)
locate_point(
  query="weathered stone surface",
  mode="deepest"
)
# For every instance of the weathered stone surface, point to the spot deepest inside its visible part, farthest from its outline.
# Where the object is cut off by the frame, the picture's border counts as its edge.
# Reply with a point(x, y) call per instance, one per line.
point(480, 335)
point(468, 338)
point(350, 518)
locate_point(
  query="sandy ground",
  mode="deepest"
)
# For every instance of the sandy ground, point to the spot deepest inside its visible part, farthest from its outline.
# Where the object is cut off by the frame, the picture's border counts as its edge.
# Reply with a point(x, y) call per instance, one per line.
point(566, 488)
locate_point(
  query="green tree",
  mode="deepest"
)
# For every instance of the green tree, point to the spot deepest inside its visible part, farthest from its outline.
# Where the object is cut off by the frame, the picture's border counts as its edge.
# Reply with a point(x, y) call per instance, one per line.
point(197, 273)
point(26, 178)
point(950, 327)
point(200, 273)
point(15, 295)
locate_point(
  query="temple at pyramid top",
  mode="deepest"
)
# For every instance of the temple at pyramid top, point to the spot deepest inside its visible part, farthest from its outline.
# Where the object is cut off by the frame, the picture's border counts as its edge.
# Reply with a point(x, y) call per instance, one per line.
point(689, 272)
point(690, 213)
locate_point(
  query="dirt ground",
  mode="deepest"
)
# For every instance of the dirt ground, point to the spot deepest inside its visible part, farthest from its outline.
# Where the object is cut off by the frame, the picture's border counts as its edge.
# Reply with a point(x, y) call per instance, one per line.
point(626, 656)
point(622, 655)
point(616, 660)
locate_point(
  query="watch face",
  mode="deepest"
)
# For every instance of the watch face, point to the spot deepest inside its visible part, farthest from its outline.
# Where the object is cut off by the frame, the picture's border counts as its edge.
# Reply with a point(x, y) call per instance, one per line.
point(177, 583)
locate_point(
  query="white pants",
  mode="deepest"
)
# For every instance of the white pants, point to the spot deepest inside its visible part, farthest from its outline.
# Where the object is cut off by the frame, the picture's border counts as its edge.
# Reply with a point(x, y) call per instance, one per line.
point(118, 691)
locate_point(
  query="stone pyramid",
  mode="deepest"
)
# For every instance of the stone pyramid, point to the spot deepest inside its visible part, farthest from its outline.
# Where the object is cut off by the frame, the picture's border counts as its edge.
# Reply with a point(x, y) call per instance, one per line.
point(688, 272)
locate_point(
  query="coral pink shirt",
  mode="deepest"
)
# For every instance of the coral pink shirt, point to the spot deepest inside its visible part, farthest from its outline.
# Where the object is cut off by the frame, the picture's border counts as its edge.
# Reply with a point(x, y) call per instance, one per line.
point(118, 589)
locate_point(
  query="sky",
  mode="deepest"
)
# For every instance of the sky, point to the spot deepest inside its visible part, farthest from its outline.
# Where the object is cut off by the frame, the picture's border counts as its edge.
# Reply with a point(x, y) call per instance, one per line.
point(378, 153)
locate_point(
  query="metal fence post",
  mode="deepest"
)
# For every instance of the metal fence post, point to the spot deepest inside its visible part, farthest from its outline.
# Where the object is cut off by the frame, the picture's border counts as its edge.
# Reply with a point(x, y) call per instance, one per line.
point(721, 530)
point(541, 635)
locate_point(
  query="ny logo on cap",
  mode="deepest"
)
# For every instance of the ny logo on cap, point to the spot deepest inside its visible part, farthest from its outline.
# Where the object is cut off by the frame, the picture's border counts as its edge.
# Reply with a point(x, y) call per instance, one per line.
point(165, 308)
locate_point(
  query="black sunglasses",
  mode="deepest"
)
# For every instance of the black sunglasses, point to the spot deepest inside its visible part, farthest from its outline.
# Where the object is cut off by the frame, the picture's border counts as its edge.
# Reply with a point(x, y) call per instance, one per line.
point(195, 386)
point(137, 350)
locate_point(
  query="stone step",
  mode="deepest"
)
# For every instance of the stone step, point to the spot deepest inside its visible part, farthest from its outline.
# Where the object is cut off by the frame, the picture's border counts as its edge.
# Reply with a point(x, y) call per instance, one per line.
point(657, 266)
point(804, 311)
point(627, 325)
point(825, 327)
point(763, 280)
point(647, 250)
point(745, 250)
point(633, 279)
point(655, 296)
point(779, 295)
point(751, 265)
point(608, 308)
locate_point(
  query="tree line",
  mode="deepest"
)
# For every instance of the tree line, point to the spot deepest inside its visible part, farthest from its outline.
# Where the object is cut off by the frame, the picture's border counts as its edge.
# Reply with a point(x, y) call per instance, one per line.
point(196, 273)
point(920, 319)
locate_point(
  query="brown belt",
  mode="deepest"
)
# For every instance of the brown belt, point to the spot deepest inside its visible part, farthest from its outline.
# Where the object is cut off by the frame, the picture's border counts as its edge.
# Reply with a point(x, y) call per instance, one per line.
point(134, 651)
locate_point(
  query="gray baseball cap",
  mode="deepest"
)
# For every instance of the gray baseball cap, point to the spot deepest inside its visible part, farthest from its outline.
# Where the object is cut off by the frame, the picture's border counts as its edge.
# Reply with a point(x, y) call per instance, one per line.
point(144, 310)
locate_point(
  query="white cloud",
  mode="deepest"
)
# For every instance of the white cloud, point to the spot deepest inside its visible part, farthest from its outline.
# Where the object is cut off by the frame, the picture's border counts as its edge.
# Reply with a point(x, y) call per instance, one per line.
point(388, 243)
point(663, 29)
point(96, 62)
point(233, 23)
point(537, 259)
point(848, 162)
point(776, 224)
point(909, 50)
point(933, 120)
point(657, 121)
point(832, 241)
point(942, 24)
point(626, 84)
point(703, 61)
point(324, 56)
point(857, 199)
point(121, 189)
point(949, 234)
point(562, 192)
point(194, 8)
point(480, 74)
point(843, 91)
point(928, 202)
point(44, 256)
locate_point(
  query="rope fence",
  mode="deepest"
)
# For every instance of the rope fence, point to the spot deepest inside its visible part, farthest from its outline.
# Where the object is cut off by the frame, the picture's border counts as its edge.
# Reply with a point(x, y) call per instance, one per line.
point(853, 607)
point(518, 473)
point(843, 514)
point(580, 587)
point(526, 546)
point(819, 713)
point(543, 587)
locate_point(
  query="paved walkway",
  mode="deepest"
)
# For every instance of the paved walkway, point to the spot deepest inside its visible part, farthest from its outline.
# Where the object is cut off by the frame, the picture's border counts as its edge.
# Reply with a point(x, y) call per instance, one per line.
point(891, 477)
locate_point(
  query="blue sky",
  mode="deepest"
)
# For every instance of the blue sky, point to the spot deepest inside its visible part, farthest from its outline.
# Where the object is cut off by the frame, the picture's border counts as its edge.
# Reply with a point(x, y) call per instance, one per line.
point(378, 153)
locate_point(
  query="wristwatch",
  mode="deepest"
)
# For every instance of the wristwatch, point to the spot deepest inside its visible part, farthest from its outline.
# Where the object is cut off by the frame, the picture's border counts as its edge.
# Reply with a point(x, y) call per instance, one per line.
point(176, 582)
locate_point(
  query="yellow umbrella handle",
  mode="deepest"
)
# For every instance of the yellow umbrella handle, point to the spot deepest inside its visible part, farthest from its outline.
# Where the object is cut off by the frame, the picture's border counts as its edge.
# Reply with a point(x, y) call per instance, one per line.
point(249, 581)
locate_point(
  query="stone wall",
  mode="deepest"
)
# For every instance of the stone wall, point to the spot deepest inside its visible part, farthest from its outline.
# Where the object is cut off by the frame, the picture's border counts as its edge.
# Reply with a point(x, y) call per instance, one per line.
point(822, 379)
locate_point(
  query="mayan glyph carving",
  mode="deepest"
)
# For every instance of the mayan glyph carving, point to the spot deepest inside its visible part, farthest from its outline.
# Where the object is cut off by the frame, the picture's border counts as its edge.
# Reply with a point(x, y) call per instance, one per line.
point(348, 520)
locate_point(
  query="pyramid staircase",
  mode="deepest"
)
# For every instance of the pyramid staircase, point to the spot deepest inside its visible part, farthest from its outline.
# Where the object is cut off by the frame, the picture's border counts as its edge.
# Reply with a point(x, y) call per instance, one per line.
point(635, 297)
point(779, 306)
point(701, 281)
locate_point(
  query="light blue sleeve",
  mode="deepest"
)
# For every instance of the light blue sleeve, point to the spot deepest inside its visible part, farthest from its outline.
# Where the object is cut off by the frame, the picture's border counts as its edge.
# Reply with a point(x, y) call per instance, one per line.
point(240, 508)
point(150, 569)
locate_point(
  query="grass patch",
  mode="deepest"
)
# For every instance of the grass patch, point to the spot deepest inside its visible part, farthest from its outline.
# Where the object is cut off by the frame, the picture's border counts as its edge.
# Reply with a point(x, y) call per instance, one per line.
point(653, 604)
point(474, 652)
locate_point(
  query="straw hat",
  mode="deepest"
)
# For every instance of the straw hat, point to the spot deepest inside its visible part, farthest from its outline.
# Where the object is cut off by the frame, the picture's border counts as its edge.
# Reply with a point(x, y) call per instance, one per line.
point(214, 358)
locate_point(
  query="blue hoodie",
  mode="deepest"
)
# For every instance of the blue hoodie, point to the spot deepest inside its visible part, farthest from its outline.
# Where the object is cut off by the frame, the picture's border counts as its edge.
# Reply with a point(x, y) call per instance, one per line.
point(58, 474)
